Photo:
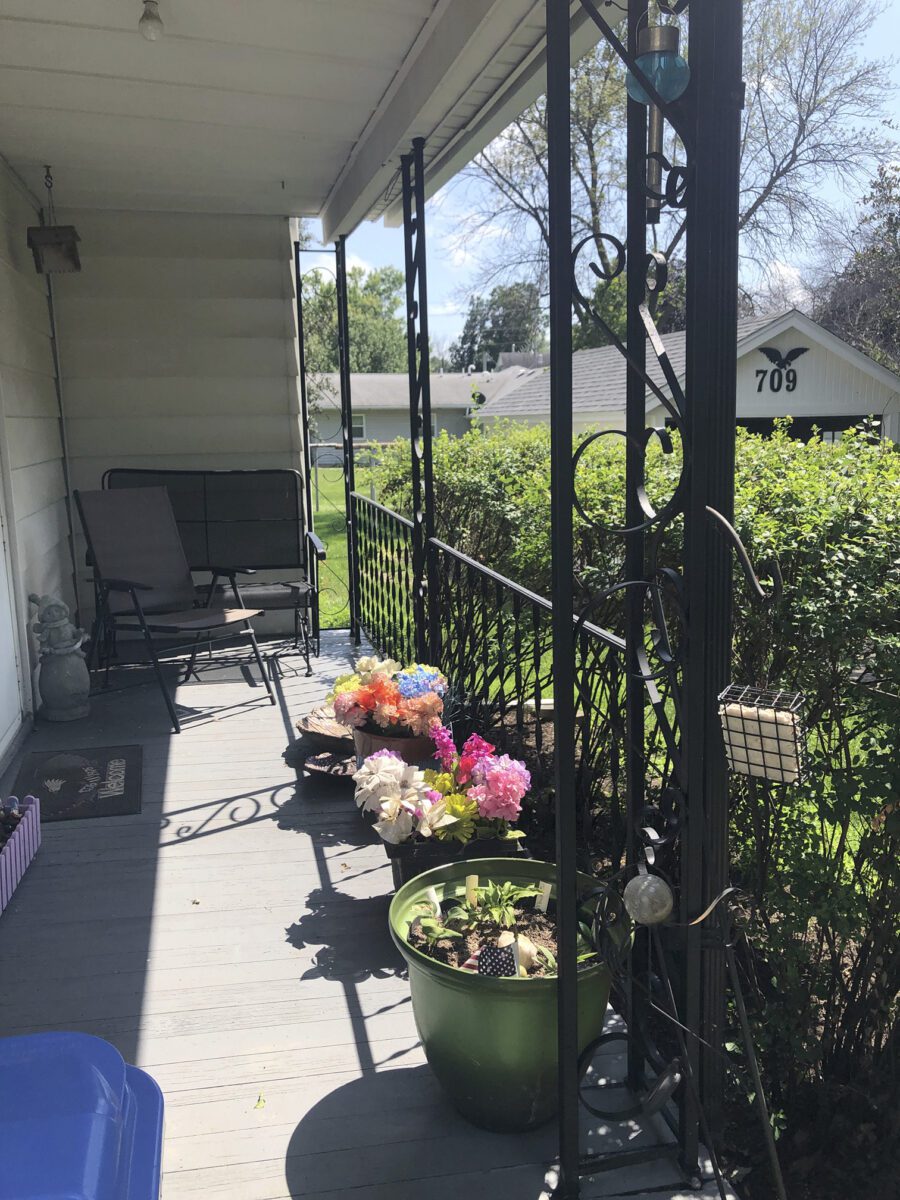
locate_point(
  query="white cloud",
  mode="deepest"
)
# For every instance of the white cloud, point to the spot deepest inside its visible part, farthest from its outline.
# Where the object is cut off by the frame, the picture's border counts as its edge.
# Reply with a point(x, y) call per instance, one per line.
point(456, 234)
point(325, 262)
point(787, 280)
point(447, 309)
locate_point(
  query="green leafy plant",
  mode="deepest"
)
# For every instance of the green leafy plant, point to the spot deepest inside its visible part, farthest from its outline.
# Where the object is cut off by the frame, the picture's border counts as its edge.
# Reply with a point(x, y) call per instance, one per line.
point(434, 930)
point(820, 862)
point(495, 903)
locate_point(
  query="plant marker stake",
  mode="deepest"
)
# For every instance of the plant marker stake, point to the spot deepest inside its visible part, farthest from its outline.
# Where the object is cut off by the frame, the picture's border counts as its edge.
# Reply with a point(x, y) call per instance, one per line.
point(544, 898)
point(472, 890)
point(432, 897)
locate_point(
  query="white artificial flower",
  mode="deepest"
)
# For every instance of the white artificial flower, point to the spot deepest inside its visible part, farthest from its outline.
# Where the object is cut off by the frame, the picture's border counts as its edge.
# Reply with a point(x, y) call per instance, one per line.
point(412, 778)
point(432, 816)
point(395, 823)
point(376, 778)
point(369, 666)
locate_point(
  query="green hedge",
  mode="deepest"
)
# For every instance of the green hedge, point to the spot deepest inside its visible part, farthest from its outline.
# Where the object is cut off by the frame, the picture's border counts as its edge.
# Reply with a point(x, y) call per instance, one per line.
point(819, 863)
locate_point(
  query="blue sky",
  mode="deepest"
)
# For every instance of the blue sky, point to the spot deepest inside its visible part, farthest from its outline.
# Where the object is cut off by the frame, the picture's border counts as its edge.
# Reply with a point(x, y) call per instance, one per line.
point(450, 269)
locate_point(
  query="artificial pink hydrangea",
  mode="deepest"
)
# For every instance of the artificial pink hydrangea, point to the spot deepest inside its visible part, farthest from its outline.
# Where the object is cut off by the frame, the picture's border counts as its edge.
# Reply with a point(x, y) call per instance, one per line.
point(348, 712)
point(474, 750)
point(500, 784)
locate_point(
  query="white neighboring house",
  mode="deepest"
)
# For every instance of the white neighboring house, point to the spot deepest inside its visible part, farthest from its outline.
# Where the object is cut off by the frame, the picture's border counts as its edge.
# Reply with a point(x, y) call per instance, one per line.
point(788, 365)
point(380, 404)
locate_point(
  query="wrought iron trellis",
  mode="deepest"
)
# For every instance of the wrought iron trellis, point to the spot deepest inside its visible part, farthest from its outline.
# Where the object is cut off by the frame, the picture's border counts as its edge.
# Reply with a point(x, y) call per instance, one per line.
point(680, 825)
point(304, 390)
point(343, 332)
point(418, 351)
point(674, 660)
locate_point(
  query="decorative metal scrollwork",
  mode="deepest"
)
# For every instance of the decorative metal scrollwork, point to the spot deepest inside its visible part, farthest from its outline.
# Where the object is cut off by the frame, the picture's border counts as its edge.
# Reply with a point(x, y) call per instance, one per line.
point(669, 509)
point(675, 192)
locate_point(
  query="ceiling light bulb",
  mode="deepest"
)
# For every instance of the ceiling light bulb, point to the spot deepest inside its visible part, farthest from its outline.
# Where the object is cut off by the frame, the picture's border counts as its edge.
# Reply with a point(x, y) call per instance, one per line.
point(150, 24)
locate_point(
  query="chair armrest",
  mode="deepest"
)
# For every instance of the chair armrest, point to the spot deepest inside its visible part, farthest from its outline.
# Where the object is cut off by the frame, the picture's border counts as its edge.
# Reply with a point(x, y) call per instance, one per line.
point(230, 572)
point(125, 585)
point(317, 544)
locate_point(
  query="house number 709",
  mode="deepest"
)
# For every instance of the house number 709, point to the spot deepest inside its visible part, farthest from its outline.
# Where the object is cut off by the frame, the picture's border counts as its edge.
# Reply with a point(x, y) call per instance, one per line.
point(777, 378)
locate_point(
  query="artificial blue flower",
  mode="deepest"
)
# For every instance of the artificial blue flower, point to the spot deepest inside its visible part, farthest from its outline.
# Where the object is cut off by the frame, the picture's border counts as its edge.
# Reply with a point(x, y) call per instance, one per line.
point(419, 680)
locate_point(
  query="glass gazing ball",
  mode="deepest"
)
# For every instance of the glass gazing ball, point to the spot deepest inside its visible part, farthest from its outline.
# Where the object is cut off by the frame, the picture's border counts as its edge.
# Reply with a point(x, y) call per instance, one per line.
point(669, 74)
point(648, 899)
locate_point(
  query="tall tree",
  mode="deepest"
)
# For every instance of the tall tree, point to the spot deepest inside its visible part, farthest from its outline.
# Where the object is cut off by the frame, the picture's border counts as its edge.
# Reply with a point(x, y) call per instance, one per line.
point(468, 347)
point(860, 301)
point(510, 318)
point(377, 333)
point(808, 121)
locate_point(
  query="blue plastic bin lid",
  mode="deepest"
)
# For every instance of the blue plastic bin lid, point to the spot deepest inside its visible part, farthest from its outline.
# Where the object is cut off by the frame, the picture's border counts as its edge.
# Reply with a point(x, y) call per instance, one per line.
point(77, 1123)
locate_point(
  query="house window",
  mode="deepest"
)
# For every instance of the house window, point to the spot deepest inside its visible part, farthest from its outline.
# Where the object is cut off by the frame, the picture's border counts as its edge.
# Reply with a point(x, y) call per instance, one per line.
point(358, 427)
point(830, 427)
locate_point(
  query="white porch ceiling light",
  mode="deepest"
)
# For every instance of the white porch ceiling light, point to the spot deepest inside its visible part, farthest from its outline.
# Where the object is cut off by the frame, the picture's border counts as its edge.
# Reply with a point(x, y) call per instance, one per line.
point(151, 23)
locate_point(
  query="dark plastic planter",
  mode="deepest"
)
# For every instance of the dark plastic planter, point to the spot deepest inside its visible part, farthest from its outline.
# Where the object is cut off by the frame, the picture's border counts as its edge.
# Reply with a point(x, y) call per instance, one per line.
point(492, 1042)
point(409, 859)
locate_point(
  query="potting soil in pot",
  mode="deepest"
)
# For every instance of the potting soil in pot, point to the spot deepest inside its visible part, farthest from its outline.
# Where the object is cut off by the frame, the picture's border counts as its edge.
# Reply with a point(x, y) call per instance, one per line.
point(539, 928)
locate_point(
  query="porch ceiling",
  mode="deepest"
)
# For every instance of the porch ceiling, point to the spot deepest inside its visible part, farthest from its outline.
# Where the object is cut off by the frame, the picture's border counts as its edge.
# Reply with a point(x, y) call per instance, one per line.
point(293, 107)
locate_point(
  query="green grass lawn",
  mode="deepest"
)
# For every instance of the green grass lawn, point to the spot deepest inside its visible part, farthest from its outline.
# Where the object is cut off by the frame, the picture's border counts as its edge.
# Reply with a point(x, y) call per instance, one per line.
point(329, 522)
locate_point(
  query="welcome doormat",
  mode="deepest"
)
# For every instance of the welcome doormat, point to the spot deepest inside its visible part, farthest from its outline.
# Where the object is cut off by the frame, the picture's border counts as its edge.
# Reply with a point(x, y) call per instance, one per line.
point(70, 784)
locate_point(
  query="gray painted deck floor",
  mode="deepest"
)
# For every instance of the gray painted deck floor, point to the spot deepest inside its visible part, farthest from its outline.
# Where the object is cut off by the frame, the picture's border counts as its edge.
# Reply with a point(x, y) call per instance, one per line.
point(232, 940)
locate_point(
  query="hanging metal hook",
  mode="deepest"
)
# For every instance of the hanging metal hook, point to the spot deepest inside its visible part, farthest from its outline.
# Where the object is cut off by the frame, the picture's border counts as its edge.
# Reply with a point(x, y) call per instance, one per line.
point(759, 594)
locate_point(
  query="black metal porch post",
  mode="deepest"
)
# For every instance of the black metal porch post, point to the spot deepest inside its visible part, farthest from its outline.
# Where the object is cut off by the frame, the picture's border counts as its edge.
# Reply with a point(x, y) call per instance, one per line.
point(562, 503)
point(635, 421)
point(425, 598)
point(343, 328)
point(712, 279)
point(304, 394)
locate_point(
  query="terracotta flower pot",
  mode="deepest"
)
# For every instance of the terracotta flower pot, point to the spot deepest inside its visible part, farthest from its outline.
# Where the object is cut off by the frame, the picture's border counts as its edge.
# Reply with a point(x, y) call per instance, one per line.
point(417, 751)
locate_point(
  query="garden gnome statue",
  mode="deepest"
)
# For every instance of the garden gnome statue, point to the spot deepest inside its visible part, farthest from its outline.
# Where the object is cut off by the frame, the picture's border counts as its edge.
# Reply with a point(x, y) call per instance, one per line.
point(63, 679)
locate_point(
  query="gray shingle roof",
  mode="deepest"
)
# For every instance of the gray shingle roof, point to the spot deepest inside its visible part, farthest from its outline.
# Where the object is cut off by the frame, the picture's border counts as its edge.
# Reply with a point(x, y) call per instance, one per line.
point(450, 390)
point(598, 378)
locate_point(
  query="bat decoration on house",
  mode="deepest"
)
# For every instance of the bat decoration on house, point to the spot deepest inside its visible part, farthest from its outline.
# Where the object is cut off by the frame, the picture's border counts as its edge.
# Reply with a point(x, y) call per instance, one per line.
point(777, 359)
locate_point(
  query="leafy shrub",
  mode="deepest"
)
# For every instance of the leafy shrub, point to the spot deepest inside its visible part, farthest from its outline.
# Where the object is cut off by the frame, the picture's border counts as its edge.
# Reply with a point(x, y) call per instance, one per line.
point(820, 862)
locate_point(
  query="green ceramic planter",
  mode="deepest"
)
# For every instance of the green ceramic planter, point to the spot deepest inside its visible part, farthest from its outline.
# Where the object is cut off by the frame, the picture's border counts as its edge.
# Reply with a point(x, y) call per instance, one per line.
point(492, 1042)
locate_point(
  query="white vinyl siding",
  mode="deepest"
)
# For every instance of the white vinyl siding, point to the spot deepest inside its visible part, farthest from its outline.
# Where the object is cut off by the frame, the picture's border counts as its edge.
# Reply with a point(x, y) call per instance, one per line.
point(826, 384)
point(31, 472)
point(178, 345)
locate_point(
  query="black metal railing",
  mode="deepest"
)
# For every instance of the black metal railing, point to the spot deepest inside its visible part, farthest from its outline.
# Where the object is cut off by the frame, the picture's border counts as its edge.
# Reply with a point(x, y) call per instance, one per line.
point(495, 645)
point(384, 547)
point(494, 642)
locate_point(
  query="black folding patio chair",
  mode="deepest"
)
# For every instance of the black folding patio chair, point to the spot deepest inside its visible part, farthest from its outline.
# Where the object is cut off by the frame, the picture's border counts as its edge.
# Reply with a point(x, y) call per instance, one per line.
point(144, 585)
point(252, 518)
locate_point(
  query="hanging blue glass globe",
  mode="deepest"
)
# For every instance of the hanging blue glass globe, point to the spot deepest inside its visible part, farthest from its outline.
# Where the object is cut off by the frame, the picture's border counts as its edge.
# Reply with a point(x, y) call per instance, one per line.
point(660, 61)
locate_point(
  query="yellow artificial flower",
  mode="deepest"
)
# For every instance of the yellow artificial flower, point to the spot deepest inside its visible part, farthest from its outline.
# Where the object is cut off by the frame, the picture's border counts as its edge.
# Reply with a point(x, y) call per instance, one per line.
point(343, 683)
point(464, 813)
point(441, 781)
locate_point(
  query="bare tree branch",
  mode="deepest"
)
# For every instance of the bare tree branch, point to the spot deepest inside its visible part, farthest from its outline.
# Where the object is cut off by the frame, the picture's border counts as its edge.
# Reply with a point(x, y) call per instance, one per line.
point(810, 126)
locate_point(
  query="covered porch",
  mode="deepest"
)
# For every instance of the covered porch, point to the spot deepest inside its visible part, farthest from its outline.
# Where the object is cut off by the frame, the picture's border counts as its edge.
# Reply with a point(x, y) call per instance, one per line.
point(233, 940)
point(251, 973)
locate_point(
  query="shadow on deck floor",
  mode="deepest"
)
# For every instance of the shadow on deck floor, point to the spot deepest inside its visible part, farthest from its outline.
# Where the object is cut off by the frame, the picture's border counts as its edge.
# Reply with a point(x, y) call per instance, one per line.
point(232, 940)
